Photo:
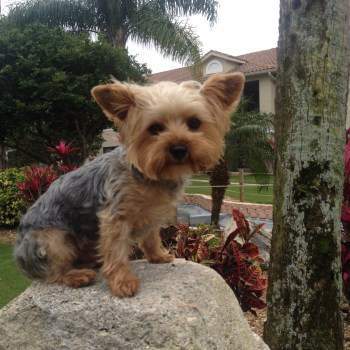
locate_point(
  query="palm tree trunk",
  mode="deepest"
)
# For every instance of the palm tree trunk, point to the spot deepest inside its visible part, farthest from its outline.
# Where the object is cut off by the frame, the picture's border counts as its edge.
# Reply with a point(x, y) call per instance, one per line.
point(118, 38)
point(219, 176)
point(304, 278)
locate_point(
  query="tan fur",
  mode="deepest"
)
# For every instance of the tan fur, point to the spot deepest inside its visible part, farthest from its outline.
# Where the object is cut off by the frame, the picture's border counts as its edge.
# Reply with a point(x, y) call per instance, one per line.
point(140, 209)
point(137, 216)
point(57, 247)
point(152, 121)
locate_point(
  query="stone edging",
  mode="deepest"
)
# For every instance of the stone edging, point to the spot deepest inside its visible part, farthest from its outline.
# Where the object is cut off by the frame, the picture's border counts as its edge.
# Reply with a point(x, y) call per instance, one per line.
point(253, 210)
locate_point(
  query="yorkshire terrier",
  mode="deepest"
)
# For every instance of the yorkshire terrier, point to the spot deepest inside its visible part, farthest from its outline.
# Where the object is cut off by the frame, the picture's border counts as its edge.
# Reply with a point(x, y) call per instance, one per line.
point(91, 216)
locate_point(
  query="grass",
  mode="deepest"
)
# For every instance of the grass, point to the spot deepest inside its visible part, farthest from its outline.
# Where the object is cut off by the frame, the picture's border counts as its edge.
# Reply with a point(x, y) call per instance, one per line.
point(12, 281)
point(253, 194)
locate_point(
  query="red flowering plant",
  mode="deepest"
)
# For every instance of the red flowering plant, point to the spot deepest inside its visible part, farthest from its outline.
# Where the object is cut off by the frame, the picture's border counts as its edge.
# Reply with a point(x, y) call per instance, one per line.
point(63, 156)
point(37, 179)
point(235, 258)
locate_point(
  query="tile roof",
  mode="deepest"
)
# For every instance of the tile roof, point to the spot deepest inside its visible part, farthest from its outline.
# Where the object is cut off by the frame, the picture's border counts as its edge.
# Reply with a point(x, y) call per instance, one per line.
point(176, 75)
point(259, 61)
point(255, 62)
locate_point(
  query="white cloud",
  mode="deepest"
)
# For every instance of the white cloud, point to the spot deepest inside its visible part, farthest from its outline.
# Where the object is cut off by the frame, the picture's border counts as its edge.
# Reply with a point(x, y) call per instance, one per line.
point(243, 26)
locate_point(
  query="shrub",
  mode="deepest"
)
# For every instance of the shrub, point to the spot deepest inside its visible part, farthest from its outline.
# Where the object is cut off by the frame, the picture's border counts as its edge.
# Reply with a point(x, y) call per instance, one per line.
point(11, 203)
point(236, 259)
point(37, 180)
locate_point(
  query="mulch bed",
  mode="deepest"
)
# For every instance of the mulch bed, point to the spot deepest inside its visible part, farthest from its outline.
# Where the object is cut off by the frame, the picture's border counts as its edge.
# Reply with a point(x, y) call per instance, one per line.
point(7, 236)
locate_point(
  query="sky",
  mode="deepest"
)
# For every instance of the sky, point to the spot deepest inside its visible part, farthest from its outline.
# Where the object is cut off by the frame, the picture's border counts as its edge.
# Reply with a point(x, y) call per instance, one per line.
point(243, 26)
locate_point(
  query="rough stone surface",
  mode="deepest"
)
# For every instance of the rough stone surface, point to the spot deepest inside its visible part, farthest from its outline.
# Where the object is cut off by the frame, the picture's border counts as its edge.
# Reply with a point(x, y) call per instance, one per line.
point(180, 306)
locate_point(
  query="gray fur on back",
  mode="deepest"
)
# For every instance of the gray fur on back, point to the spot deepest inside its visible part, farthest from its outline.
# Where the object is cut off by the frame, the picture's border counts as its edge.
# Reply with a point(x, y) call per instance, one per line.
point(73, 200)
point(71, 204)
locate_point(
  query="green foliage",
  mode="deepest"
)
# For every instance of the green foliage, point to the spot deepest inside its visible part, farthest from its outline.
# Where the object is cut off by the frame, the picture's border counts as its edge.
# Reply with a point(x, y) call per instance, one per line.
point(45, 81)
point(149, 22)
point(250, 141)
point(11, 204)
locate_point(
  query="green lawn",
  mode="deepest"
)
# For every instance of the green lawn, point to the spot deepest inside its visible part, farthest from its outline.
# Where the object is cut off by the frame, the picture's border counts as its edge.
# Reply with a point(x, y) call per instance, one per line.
point(12, 281)
point(254, 194)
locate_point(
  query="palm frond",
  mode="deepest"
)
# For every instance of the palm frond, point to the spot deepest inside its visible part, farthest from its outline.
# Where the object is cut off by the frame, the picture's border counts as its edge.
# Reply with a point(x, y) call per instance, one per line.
point(77, 15)
point(172, 37)
point(205, 8)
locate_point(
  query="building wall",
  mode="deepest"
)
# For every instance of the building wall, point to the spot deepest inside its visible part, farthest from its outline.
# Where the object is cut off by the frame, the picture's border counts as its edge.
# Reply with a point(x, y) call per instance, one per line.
point(110, 140)
point(227, 65)
point(267, 90)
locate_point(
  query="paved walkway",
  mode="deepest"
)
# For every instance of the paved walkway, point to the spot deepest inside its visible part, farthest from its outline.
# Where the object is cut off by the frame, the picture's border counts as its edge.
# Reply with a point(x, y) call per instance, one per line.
point(253, 210)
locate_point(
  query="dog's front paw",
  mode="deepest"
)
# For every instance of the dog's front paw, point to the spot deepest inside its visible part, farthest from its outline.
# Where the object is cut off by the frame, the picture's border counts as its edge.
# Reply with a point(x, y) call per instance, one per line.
point(161, 259)
point(125, 287)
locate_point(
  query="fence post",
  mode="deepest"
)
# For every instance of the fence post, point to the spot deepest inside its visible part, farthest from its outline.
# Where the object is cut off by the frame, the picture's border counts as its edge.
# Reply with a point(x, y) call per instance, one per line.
point(241, 185)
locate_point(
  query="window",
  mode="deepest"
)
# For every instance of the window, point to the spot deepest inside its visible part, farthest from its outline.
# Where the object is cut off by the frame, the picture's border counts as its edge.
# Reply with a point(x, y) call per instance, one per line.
point(251, 95)
point(214, 67)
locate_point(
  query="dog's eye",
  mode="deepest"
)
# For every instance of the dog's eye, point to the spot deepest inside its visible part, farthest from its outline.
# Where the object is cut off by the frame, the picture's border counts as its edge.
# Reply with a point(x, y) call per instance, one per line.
point(156, 128)
point(193, 123)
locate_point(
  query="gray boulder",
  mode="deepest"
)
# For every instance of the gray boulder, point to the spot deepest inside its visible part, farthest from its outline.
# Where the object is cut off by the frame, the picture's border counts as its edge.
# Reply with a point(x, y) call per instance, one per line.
point(182, 305)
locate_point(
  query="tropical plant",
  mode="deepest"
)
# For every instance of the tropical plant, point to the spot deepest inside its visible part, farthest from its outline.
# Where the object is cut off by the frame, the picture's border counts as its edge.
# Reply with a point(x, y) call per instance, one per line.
point(219, 179)
point(11, 203)
point(250, 143)
point(45, 81)
point(235, 258)
point(37, 179)
point(147, 22)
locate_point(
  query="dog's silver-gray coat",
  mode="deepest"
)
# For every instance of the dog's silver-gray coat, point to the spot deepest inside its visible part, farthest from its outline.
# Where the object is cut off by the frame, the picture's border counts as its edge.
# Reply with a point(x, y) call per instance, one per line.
point(72, 203)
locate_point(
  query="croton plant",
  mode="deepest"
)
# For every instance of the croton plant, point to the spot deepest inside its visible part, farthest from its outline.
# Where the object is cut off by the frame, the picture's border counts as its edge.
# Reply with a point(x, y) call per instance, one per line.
point(235, 258)
point(37, 179)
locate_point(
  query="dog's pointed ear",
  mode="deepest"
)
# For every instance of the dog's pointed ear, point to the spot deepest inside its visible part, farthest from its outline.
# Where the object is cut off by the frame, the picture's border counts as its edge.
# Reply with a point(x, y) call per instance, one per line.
point(114, 99)
point(224, 89)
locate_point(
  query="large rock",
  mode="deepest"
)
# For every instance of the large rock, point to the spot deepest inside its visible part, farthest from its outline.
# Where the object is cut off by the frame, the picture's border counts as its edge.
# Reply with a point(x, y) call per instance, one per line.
point(180, 306)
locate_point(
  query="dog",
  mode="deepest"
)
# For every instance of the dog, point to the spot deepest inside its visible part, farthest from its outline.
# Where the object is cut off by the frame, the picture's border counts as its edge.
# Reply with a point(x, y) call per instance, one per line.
point(92, 216)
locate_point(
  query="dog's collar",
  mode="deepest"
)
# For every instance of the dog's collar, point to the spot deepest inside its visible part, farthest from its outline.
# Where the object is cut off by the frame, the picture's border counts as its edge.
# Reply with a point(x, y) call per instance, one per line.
point(169, 184)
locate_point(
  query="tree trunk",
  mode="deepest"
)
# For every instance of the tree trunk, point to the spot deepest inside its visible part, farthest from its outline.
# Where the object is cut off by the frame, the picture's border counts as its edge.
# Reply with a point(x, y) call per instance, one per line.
point(2, 156)
point(304, 279)
point(219, 176)
point(118, 38)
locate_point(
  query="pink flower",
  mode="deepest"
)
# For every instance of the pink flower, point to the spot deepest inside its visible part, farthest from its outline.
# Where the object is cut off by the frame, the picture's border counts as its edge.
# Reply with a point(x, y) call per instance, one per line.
point(63, 149)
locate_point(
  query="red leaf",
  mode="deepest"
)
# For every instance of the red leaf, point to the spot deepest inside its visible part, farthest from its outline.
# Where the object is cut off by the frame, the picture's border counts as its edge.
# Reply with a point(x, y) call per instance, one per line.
point(251, 250)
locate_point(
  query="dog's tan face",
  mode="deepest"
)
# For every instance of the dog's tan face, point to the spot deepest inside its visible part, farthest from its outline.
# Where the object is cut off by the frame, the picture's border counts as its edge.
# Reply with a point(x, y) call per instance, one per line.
point(172, 130)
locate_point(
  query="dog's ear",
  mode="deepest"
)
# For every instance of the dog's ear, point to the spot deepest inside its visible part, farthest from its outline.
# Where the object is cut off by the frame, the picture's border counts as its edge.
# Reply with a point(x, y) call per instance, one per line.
point(224, 89)
point(114, 99)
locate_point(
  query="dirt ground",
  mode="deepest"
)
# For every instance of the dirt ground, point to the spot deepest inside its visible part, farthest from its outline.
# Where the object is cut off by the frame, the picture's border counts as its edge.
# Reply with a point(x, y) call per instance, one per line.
point(255, 322)
point(7, 236)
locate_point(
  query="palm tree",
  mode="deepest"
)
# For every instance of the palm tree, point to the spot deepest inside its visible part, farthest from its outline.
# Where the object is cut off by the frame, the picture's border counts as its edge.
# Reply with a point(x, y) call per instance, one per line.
point(250, 141)
point(148, 22)
point(249, 144)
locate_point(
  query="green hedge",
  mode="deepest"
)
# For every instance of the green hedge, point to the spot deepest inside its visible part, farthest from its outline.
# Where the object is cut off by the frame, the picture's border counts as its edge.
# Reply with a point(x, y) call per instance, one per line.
point(11, 204)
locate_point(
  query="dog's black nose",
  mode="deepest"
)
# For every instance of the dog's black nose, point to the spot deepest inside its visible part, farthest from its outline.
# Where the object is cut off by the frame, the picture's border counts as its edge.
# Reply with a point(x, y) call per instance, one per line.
point(178, 152)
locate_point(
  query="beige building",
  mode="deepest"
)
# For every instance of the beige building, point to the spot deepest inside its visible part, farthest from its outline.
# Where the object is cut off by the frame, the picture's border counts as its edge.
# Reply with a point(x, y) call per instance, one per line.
point(259, 69)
